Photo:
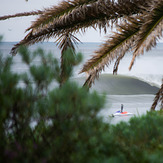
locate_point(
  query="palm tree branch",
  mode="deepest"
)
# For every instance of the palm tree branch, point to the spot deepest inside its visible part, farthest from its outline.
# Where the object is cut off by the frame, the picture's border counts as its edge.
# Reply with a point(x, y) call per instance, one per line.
point(114, 47)
point(55, 12)
point(90, 80)
point(116, 64)
point(21, 14)
point(100, 12)
point(158, 97)
point(96, 13)
point(151, 30)
point(92, 17)
point(64, 42)
point(103, 56)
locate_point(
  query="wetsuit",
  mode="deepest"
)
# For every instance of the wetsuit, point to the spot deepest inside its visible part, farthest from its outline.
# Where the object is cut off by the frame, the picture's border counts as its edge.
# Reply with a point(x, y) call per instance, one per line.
point(121, 108)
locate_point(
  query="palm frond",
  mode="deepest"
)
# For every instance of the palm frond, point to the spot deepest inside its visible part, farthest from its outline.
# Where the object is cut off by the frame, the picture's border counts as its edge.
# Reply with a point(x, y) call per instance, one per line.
point(66, 41)
point(151, 29)
point(90, 80)
point(116, 64)
point(115, 47)
point(21, 14)
point(158, 97)
point(99, 14)
point(51, 14)
point(92, 15)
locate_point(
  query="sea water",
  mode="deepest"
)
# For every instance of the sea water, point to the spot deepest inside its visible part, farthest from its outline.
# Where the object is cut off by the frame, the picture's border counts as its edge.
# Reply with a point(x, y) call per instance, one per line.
point(134, 89)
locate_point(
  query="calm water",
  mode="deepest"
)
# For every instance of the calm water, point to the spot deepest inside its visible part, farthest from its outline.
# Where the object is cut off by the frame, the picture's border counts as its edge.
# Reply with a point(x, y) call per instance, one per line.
point(135, 89)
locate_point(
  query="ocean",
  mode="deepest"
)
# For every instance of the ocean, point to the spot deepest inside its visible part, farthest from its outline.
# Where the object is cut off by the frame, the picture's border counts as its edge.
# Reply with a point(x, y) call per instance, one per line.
point(134, 89)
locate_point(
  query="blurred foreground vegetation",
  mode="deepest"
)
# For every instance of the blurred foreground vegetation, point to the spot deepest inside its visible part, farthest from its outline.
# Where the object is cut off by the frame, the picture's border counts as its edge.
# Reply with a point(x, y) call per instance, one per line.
point(40, 123)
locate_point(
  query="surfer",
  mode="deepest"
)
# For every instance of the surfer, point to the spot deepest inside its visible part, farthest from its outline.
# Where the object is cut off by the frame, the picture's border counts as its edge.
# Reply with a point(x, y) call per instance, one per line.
point(121, 108)
point(121, 112)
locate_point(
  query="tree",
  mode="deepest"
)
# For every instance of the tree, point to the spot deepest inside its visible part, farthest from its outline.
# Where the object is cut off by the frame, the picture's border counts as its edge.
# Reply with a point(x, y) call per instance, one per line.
point(39, 123)
point(139, 24)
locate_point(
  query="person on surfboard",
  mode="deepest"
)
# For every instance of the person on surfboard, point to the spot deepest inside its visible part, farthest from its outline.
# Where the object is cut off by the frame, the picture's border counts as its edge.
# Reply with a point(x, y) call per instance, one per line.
point(121, 108)
point(121, 112)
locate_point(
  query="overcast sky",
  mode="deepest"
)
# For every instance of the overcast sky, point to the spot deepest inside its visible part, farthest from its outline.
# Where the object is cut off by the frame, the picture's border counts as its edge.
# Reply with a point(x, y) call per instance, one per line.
point(13, 29)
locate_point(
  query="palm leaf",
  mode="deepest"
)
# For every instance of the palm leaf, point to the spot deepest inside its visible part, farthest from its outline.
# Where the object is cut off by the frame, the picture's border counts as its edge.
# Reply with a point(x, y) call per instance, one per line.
point(158, 97)
point(66, 41)
point(98, 14)
point(114, 48)
point(90, 79)
point(151, 29)
point(116, 64)
point(21, 14)
point(51, 14)
point(94, 14)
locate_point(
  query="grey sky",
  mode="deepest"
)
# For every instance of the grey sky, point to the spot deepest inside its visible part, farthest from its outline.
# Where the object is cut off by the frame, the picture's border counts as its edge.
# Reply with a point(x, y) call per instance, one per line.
point(13, 29)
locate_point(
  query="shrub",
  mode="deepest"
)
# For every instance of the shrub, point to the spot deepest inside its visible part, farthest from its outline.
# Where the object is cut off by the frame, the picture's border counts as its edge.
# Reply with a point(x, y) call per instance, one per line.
point(43, 123)
point(40, 123)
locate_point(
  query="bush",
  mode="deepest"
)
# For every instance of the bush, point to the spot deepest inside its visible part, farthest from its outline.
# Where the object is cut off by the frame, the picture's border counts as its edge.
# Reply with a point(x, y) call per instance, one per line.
point(39, 123)
point(141, 140)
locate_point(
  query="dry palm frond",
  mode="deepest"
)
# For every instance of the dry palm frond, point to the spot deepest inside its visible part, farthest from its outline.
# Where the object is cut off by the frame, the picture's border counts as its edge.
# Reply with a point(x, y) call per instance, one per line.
point(97, 13)
point(66, 41)
point(94, 14)
point(116, 64)
point(21, 14)
point(32, 39)
point(49, 15)
point(151, 29)
point(114, 48)
point(90, 80)
point(158, 97)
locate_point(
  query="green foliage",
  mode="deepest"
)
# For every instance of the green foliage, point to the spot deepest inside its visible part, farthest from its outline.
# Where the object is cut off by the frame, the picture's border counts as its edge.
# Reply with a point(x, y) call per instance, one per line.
point(42, 123)
point(141, 138)
point(70, 60)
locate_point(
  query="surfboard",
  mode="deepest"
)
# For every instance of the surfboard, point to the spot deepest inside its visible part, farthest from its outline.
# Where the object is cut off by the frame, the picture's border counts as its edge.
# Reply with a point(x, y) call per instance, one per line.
point(119, 113)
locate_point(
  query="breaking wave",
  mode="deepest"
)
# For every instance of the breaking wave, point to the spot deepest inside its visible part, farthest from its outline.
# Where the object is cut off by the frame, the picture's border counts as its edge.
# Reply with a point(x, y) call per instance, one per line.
point(120, 85)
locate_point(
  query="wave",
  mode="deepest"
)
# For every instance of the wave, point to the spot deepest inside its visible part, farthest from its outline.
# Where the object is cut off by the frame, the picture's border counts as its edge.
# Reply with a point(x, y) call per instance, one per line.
point(120, 85)
point(152, 79)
